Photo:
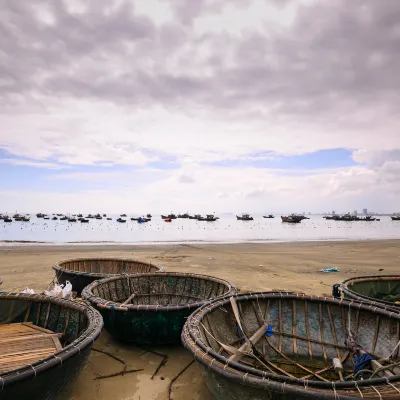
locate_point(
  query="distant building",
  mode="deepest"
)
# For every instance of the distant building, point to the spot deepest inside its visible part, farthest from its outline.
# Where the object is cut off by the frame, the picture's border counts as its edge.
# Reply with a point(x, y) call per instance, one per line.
point(365, 211)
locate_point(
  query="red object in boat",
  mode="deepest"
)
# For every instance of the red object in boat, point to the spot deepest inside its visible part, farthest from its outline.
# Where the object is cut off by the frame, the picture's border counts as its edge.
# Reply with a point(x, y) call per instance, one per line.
point(167, 219)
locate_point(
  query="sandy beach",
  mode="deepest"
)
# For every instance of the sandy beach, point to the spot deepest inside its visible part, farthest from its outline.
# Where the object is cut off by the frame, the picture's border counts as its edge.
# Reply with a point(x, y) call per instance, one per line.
point(251, 267)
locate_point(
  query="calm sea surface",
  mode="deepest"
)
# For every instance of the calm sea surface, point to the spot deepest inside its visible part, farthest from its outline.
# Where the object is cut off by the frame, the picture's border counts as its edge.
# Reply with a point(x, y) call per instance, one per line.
point(226, 229)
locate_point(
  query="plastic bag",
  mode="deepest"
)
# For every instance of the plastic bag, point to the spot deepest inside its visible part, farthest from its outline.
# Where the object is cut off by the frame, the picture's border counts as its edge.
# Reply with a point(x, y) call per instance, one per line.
point(55, 291)
point(28, 291)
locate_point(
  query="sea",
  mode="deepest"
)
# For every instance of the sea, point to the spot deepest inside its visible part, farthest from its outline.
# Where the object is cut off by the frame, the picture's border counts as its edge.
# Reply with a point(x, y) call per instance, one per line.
point(227, 229)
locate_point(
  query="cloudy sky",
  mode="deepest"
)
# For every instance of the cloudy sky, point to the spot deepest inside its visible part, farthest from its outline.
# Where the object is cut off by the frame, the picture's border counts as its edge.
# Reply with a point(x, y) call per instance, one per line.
point(206, 105)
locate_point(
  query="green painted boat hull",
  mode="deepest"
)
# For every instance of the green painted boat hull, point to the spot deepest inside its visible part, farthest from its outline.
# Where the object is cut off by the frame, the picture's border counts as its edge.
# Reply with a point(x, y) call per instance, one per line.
point(145, 327)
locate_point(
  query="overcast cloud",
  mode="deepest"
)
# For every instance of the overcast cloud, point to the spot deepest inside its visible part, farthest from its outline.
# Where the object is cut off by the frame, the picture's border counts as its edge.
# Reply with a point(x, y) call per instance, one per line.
point(195, 83)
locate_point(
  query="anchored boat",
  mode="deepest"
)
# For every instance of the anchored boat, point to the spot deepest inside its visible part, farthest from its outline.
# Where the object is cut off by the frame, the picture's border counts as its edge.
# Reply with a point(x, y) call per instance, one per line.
point(152, 308)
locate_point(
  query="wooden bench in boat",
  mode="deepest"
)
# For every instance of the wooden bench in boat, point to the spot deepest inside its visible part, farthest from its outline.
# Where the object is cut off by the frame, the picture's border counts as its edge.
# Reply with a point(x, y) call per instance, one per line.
point(23, 344)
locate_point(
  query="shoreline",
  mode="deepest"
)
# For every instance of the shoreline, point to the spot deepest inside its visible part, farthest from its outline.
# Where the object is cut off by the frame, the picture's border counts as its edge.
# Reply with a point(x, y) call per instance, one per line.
point(29, 243)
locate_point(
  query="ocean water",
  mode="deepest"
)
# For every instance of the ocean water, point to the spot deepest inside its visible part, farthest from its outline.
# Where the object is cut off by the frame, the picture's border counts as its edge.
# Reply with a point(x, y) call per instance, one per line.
point(225, 230)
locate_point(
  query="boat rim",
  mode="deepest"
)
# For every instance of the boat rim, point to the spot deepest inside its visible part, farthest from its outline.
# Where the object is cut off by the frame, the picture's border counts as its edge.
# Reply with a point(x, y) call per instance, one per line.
point(346, 286)
point(202, 352)
point(85, 339)
point(59, 268)
point(100, 302)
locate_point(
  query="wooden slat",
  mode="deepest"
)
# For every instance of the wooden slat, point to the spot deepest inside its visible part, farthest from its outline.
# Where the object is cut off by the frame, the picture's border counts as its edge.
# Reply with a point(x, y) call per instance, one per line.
point(307, 329)
point(280, 325)
point(333, 331)
point(23, 344)
point(294, 322)
point(375, 334)
point(321, 329)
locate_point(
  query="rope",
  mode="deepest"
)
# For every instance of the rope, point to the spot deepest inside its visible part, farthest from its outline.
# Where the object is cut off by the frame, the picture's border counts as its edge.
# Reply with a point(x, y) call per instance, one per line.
point(394, 350)
point(377, 391)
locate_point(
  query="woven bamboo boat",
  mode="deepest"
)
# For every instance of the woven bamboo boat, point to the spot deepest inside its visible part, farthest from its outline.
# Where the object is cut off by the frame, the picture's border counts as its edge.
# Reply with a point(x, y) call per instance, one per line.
point(38, 374)
point(83, 271)
point(152, 308)
point(281, 346)
point(376, 290)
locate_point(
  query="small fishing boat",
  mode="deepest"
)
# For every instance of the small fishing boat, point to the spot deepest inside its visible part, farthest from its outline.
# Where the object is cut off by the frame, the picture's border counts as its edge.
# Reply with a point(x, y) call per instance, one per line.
point(25, 219)
point(381, 290)
point(109, 219)
point(244, 217)
point(186, 215)
point(71, 219)
point(44, 344)
point(123, 215)
point(395, 217)
point(46, 217)
point(83, 271)
point(269, 216)
point(7, 219)
point(170, 216)
point(149, 216)
point(209, 218)
point(63, 218)
point(152, 308)
point(104, 215)
point(291, 219)
point(40, 215)
point(121, 220)
point(80, 216)
point(55, 219)
point(167, 219)
point(286, 346)
point(84, 220)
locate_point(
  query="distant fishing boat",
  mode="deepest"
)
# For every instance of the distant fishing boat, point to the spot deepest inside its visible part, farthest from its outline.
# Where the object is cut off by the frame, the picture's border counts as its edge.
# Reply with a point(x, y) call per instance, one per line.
point(244, 217)
point(7, 219)
point(186, 215)
point(269, 216)
point(55, 219)
point(40, 215)
point(149, 216)
point(170, 216)
point(71, 219)
point(395, 217)
point(209, 217)
point(109, 219)
point(83, 220)
point(121, 220)
point(63, 218)
point(291, 219)
point(123, 215)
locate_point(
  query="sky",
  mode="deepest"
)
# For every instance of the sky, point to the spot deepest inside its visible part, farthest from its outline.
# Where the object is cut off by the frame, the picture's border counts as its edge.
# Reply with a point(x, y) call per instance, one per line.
point(206, 105)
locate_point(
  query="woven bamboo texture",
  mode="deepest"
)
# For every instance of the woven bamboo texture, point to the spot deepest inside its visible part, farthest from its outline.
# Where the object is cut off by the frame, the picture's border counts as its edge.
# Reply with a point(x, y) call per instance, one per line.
point(295, 359)
point(83, 271)
point(370, 289)
point(71, 326)
point(152, 308)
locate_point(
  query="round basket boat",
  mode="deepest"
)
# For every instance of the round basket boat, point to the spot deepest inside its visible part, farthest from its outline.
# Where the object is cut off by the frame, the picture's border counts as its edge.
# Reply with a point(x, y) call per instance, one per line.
point(83, 271)
point(152, 308)
point(44, 343)
point(281, 346)
point(377, 290)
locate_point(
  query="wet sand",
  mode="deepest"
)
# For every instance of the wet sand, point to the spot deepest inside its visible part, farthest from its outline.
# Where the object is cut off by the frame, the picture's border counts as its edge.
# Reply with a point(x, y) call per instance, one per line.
point(251, 267)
